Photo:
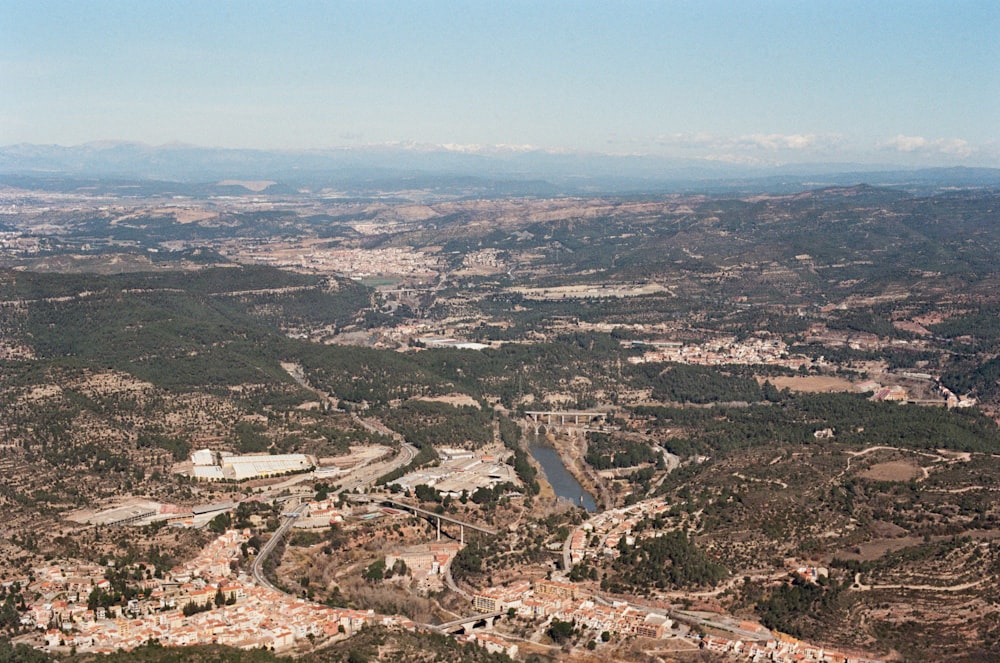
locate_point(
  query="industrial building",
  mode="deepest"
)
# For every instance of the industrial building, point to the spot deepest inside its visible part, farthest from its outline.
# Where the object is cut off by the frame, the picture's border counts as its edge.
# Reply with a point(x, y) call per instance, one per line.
point(463, 472)
point(211, 465)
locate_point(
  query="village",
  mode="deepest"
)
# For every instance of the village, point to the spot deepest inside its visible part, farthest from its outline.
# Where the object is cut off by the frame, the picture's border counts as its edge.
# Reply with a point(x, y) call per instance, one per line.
point(228, 608)
point(209, 600)
point(757, 350)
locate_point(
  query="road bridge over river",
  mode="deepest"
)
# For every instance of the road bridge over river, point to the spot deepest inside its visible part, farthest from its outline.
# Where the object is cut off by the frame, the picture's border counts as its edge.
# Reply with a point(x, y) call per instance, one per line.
point(466, 624)
point(565, 418)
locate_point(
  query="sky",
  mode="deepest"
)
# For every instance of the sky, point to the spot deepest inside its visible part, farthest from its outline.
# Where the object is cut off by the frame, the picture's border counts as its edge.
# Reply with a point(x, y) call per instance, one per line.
point(754, 81)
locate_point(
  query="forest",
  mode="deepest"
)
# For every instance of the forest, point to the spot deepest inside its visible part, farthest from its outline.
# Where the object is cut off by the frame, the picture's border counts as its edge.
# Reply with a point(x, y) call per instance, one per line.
point(667, 561)
point(854, 419)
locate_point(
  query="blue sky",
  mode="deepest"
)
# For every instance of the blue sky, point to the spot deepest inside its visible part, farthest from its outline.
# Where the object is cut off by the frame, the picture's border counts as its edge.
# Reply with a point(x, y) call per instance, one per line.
point(753, 81)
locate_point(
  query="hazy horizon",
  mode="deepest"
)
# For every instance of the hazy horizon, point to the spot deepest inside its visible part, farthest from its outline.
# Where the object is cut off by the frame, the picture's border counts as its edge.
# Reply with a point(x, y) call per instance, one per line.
point(907, 83)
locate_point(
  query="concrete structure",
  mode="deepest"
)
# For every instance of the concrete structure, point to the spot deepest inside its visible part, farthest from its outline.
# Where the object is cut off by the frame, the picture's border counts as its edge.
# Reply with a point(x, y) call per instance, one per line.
point(429, 558)
point(564, 418)
point(466, 624)
point(438, 517)
point(460, 471)
point(439, 342)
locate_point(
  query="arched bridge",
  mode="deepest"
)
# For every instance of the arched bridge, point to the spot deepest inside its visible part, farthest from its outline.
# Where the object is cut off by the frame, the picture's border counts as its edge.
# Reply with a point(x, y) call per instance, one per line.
point(565, 418)
point(466, 624)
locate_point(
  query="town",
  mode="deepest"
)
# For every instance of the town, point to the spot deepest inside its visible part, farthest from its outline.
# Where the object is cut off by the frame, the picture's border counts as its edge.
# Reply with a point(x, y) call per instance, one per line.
point(230, 420)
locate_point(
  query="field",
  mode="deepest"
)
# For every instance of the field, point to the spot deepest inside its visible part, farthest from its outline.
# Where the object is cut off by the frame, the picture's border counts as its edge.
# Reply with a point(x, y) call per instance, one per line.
point(815, 384)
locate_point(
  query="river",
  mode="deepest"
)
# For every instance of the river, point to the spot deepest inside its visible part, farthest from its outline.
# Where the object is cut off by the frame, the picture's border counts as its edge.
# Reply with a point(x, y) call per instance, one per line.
point(563, 483)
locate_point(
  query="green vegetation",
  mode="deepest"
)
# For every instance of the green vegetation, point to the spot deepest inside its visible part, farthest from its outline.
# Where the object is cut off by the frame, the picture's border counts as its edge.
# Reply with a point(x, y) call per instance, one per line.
point(11, 653)
point(179, 448)
point(856, 420)
point(605, 452)
point(425, 423)
point(561, 631)
point(510, 435)
point(667, 561)
point(799, 608)
point(10, 611)
point(683, 383)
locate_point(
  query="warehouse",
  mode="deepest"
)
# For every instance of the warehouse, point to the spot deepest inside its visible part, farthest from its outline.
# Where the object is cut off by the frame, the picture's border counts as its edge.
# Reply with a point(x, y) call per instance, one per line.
point(211, 466)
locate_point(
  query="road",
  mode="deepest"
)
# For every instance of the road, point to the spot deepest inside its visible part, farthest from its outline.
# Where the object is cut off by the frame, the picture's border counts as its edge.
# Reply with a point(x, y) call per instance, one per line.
point(258, 564)
point(567, 559)
point(450, 581)
point(744, 634)
point(859, 586)
point(357, 479)
point(367, 475)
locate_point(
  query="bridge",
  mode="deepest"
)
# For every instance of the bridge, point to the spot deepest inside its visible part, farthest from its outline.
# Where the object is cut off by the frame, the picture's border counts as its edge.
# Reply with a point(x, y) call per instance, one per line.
point(466, 624)
point(564, 418)
point(430, 515)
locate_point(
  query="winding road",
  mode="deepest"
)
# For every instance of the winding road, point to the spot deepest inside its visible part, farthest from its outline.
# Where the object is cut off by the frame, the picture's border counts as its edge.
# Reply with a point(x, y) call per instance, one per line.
point(257, 570)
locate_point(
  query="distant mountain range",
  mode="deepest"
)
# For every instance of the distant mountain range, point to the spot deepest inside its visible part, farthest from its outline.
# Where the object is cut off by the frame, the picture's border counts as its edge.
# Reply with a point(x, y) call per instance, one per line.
point(503, 170)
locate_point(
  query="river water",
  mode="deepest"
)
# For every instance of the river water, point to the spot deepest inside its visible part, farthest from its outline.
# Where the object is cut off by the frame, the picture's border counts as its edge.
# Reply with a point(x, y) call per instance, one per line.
point(563, 483)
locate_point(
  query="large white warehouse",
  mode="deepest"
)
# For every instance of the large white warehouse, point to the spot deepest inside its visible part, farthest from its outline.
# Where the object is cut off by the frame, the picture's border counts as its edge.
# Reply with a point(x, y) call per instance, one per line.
point(213, 466)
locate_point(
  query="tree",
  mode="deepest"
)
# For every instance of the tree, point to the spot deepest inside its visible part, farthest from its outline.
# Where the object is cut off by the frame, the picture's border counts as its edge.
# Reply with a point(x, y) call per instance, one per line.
point(561, 631)
point(426, 493)
point(399, 568)
point(375, 571)
point(220, 523)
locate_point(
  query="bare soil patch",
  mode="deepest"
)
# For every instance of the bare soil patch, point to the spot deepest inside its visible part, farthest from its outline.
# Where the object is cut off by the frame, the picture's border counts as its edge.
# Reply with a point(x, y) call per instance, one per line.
point(896, 470)
point(872, 550)
point(816, 384)
point(456, 400)
point(185, 216)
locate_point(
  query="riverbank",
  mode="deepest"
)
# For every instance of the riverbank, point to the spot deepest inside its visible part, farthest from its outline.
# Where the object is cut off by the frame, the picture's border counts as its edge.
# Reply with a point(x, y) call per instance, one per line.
point(556, 467)
point(573, 454)
point(545, 489)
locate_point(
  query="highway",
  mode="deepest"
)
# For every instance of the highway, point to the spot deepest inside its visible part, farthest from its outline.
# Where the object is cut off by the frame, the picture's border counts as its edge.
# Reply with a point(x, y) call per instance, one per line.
point(258, 564)
point(431, 514)
point(362, 477)
point(367, 475)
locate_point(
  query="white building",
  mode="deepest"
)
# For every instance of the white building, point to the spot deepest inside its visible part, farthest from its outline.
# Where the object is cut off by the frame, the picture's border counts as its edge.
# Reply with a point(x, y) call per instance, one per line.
point(214, 466)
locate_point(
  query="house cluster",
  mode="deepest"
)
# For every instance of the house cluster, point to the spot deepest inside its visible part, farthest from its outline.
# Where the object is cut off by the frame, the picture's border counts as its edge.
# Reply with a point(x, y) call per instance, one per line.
point(320, 513)
point(552, 599)
point(426, 562)
point(260, 618)
point(782, 650)
point(233, 610)
point(610, 527)
point(951, 400)
point(490, 643)
point(812, 573)
point(897, 393)
point(355, 262)
point(757, 350)
point(484, 258)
